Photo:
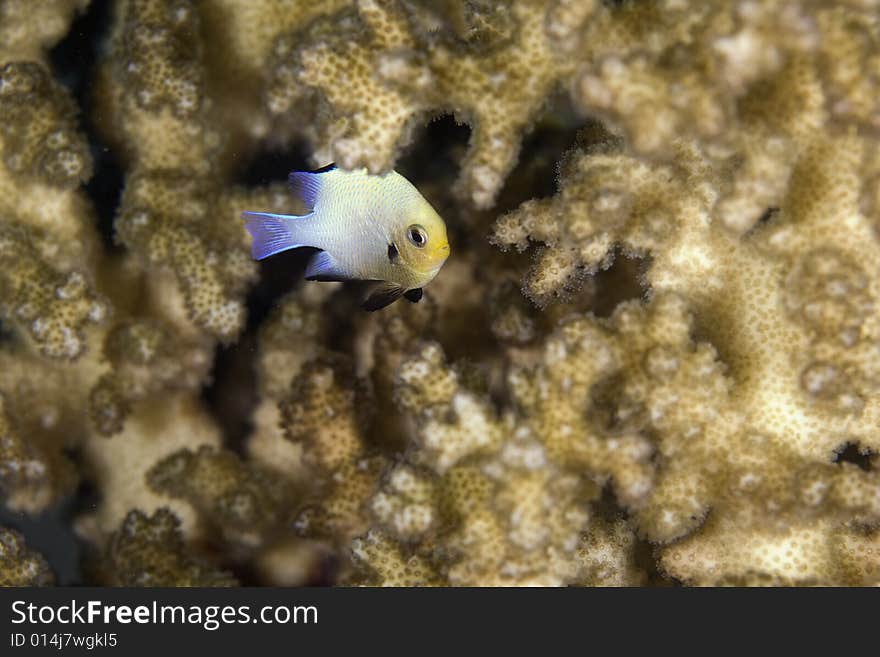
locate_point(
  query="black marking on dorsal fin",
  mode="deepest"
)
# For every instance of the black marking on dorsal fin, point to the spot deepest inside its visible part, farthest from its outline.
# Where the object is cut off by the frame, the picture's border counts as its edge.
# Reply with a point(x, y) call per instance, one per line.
point(414, 295)
point(393, 253)
point(307, 184)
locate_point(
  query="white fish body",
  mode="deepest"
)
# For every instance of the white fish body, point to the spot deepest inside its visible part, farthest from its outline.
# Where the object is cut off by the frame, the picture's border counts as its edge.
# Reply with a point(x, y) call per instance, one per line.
point(368, 227)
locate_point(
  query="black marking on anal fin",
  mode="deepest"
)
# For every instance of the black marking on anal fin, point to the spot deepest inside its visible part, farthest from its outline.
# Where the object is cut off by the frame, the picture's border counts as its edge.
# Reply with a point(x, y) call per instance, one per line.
point(306, 185)
point(382, 295)
point(393, 253)
point(414, 295)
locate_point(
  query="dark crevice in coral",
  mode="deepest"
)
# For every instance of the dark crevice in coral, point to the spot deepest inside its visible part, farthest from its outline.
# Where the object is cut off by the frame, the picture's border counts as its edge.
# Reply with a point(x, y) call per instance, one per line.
point(273, 165)
point(435, 153)
point(231, 392)
point(852, 452)
point(766, 218)
point(645, 557)
point(231, 395)
point(769, 213)
point(608, 509)
point(73, 58)
point(73, 61)
point(279, 275)
point(622, 281)
point(51, 534)
point(604, 396)
point(6, 334)
point(243, 572)
point(327, 572)
point(105, 190)
point(535, 174)
point(432, 163)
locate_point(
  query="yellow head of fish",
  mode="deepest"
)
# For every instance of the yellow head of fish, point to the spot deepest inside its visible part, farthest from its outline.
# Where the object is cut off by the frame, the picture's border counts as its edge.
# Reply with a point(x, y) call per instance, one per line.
point(421, 239)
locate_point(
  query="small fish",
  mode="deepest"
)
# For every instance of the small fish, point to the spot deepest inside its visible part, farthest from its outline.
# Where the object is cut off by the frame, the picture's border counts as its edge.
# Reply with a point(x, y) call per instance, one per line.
point(368, 227)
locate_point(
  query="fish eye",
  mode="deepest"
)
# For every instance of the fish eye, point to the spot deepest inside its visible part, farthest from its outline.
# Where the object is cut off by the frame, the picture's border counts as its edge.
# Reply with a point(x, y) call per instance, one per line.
point(417, 235)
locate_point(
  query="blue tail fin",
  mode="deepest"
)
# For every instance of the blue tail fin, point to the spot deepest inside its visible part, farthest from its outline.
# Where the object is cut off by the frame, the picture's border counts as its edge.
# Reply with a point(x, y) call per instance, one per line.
point(271, 233)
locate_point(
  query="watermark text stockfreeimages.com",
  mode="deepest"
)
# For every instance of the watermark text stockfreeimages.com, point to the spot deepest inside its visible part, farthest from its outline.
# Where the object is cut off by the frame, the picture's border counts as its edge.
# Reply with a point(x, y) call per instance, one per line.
point(210, 617)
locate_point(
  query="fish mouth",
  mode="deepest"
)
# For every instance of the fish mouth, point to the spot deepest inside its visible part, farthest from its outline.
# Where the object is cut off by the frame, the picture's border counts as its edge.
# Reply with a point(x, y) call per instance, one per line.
point(440, 257)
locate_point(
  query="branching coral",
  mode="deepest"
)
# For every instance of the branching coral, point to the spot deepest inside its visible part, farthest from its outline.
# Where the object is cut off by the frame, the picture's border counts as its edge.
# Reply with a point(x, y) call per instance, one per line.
point(785, 398)
point(39, 133)
point(711, 421)
point(653, 413)
point(150, 551)
point(54, 307)
point(28, 27)
point(50, 306)
point(320, 415)
point(20, 566)
point(45, 283)
point(40, 423)
point(157, 429)
point(155, 87)
point(144, 360)
point(499, 509)
point(793, 320)
point(243, 501)
point(30, 475)
point(497, 79)
point(289, 339)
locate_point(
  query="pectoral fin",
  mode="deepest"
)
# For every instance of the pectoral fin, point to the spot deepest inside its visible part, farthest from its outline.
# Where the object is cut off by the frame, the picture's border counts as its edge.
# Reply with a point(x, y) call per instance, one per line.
point(381, 295)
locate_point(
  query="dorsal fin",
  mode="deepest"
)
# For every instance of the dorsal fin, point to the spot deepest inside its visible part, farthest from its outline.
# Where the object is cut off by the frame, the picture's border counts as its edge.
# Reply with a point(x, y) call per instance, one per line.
point(307, 184)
